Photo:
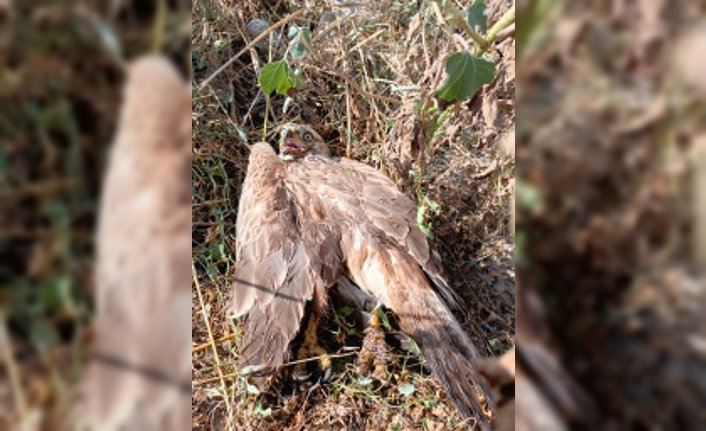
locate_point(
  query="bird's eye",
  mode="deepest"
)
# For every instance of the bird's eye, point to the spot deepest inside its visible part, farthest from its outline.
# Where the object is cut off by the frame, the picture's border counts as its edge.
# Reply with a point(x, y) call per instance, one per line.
point(307, 137)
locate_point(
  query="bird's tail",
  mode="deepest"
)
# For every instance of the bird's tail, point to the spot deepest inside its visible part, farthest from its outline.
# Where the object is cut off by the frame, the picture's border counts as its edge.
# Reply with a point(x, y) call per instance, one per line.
point(449, 353)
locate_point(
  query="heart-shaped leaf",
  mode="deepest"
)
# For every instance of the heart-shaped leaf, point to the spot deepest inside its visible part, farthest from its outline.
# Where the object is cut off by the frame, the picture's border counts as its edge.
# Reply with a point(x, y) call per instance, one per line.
point(466, 74)
point(276, 76)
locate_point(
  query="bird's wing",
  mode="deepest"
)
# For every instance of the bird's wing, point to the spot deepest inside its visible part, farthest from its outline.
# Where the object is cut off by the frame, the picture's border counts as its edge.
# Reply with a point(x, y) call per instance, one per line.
point(388, 256)
point(278, 269)
point(367, 199)
point(140, 370)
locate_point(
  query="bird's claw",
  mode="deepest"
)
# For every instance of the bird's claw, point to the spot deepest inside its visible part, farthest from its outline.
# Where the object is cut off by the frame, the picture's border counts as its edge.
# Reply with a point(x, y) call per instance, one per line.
point(373, 354)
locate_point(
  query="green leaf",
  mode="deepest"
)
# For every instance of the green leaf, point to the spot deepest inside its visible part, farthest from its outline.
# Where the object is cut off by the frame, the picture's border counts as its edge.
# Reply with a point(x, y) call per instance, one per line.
point(414, 347)
point(262, 412)
point(276, 76)
point(298, 51)
point(476, 17)
point(297, 33)
point(297, 78)
point(406, 389)
point(529, 198)
point(345, 311)
point(428, 207)
point(422, 221)
point(466, 74)
point(383, 319)
point(298, 36)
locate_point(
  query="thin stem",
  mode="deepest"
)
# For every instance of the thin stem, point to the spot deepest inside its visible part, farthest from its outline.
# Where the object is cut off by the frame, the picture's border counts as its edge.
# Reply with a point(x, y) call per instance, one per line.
point(455, 16)
point(506, 20)
point(197, 383)
point(267, 116)
point(159, 26)
point(7, 356)
point(212, 341)
point(252, 43)
point(458, 18)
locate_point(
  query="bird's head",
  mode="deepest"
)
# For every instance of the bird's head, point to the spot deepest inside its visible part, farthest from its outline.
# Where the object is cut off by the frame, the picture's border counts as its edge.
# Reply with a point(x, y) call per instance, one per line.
point(298, 140)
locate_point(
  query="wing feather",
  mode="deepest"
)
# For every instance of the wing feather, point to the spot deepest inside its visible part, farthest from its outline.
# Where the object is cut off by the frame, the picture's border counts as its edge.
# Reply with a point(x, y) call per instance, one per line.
point(363, 197)
point(274, 279)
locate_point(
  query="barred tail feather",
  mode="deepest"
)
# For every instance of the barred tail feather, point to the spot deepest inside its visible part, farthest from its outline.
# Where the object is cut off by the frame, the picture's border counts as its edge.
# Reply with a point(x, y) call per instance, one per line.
point(449, 353)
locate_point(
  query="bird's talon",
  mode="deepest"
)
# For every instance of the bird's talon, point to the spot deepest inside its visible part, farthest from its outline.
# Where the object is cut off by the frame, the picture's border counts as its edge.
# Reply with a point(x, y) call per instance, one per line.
point(301, 375)
point(373, 354)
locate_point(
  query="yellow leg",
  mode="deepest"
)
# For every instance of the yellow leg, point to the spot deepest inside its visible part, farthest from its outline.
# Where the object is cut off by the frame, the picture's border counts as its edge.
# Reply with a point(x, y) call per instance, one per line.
point(311, 348)
point(375, 321)
point(373, 354)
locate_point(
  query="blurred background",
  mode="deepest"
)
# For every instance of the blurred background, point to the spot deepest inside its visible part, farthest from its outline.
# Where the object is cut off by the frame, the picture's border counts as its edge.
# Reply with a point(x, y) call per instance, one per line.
point(62, 68)
point(366, 75)
point(611, 214)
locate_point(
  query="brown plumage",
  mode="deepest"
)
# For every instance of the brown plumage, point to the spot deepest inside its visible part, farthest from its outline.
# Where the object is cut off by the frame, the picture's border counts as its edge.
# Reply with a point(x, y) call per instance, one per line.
point(139, 375)
point(304, 220)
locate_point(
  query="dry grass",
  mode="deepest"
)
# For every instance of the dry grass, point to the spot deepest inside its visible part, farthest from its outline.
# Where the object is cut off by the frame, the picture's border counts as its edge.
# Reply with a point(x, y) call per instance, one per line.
point(366, 76)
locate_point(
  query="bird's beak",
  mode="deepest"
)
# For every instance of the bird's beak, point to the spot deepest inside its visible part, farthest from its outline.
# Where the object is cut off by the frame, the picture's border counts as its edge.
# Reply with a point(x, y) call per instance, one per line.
point(290, 144)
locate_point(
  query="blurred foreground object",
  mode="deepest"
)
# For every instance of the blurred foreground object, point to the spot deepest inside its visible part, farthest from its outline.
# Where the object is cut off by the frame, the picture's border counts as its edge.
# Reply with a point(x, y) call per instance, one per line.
point(139, 376)
point(612, 291)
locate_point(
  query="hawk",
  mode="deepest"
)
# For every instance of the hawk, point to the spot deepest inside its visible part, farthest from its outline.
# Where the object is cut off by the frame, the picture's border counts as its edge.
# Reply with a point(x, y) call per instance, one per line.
point(307, 219)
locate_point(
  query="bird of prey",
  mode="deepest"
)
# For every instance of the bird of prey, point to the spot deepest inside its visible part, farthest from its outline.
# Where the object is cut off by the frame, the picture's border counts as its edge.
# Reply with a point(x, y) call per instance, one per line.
point(139, 374)
point(307, 219)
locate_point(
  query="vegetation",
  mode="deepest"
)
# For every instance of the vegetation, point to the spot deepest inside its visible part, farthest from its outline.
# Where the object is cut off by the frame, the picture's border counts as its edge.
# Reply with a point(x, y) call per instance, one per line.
point(407, 87)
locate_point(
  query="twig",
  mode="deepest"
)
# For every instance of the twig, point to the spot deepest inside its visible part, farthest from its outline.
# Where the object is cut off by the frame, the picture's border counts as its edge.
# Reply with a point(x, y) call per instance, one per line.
point(219, 341)
point(252, 43)
point(211, 340)
point(367, 39)
point(348, 122)
point(341, 74)
point(12, 371)
point(457, 17)
point(237, 128)
point(159, 26)
point(40, 188)
point(288, 364)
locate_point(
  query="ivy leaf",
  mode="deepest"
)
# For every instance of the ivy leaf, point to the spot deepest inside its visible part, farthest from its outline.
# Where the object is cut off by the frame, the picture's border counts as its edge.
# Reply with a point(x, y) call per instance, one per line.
point(297, 78)
point(299, 36)
point(466, 74)
point(476, 17)
point(276, 76)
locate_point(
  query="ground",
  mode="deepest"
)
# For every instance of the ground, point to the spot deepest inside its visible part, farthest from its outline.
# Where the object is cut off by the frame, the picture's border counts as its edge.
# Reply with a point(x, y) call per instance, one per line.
point(610, 146)
point(365, 79)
